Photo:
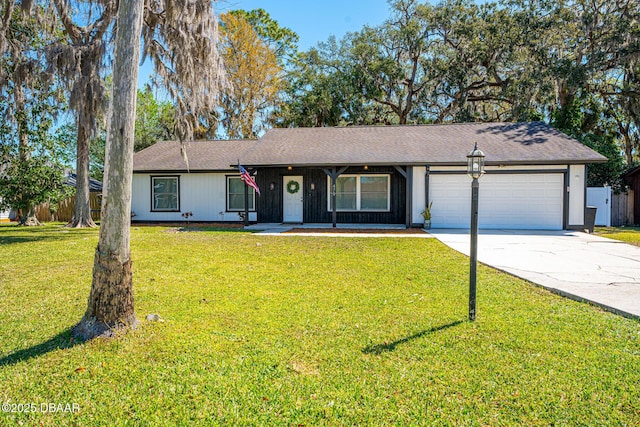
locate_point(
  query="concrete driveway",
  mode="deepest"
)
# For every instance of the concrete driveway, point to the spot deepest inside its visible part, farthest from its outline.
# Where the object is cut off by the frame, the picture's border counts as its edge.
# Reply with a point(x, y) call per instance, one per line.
point(577, 265)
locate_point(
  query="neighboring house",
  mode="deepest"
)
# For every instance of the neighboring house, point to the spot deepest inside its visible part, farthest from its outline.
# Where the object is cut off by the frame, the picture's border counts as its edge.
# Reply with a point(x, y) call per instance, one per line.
point(535, 176)
point(633, 178)
point(65, 208)
point(4, 215)
point(95, 186)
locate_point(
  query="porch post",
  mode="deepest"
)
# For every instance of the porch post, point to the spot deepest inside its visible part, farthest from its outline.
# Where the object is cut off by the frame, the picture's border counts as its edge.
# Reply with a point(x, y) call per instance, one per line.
point(409, 195)
point(408, 176)
point(334, 173)
point(334, 212)
point(426, 186)
point(246, 205)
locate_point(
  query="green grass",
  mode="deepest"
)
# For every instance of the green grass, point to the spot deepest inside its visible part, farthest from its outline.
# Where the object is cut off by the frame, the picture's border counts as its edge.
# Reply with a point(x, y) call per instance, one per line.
point(625, 234)
point(307, 331)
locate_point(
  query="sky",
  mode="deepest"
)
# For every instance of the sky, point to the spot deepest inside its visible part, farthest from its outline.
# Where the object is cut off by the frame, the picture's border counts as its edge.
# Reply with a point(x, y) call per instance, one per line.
point(316, 20)
point(312, 20)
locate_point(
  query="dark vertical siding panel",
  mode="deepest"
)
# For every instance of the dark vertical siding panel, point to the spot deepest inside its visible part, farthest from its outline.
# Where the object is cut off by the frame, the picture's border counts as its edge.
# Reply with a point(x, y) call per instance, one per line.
point(270, 201)
point(315, 202)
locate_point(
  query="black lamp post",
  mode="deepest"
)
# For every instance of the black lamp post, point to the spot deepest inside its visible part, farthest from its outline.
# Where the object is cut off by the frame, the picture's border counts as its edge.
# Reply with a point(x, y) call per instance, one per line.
point(475, 169)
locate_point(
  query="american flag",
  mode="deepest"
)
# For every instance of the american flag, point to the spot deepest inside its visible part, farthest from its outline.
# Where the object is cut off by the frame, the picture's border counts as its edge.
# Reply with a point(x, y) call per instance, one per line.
point(248, 179)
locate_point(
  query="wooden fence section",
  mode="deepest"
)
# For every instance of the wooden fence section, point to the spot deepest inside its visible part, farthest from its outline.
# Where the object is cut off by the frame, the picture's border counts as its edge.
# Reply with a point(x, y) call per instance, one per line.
point(622, 209)
point(65, 209)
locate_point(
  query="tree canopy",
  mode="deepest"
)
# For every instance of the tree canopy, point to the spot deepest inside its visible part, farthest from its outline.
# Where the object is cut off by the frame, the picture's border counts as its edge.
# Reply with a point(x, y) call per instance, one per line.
point(254, 76)
point(458, 61)
point(30, 165)
point(155, 119)
point(453, 61)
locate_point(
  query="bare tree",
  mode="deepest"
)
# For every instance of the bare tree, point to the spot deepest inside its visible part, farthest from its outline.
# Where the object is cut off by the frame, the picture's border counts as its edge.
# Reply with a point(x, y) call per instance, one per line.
point(180, 36)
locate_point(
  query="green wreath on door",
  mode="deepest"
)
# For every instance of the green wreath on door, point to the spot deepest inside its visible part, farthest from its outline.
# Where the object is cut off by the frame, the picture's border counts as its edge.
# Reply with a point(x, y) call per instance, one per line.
point(293, 187)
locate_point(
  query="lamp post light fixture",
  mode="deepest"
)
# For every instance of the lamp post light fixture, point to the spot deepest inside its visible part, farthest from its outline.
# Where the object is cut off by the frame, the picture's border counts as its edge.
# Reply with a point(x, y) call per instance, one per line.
point(475, 169)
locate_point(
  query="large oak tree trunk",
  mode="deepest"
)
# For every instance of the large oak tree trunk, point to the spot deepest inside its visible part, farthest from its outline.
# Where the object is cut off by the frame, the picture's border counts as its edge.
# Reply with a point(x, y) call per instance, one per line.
point(28, 214)
point(82, 211)
point(28, 217)
point(110, 305)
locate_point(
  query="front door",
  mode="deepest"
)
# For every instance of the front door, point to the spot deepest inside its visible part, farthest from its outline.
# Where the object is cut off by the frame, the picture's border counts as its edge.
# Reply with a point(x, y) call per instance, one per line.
point(292, 199)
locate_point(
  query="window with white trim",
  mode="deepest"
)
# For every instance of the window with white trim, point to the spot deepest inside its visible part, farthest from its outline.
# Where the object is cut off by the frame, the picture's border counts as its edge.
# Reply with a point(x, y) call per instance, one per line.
point(235, 195)
point(370, 193)
point(165, 194)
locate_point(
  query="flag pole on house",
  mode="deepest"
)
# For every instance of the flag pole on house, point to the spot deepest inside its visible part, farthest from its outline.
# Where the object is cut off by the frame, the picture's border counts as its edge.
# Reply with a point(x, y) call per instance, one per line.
point(249, 181)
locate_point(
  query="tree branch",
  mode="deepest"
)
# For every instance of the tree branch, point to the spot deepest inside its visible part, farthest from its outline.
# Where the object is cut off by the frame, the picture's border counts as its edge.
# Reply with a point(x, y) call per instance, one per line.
point(67, 22)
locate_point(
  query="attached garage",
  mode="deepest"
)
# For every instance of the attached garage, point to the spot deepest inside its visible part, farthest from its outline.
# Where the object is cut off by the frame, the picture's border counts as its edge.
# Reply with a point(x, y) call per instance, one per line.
point(531, 200)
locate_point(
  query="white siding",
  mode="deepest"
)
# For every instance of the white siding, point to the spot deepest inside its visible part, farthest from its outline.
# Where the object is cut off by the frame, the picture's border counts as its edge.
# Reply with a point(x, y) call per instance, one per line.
point(577, 188)
point(418, 194)
point(4, 215)
point(203, 194)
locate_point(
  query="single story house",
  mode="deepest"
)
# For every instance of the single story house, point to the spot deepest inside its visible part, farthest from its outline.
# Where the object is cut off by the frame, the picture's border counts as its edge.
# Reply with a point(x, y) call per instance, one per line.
point(536, 177)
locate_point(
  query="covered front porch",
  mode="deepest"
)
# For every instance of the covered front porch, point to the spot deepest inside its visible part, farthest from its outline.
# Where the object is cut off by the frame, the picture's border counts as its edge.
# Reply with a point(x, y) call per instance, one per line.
point(334, 195)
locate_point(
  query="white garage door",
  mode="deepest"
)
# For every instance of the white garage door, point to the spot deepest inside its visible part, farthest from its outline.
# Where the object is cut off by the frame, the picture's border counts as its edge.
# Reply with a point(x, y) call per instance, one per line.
point(511, 201)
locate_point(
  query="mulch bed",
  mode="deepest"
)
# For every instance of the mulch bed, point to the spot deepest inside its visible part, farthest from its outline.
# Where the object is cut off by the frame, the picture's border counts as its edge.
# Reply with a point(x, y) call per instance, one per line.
point(182, 227)
point(188, 225)
point(357, 230)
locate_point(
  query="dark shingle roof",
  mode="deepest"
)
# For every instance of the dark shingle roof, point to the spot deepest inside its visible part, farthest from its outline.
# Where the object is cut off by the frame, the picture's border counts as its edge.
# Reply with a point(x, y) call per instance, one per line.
point(94, 185)
point(502, 143)
point(202, 156)
point(632, 172)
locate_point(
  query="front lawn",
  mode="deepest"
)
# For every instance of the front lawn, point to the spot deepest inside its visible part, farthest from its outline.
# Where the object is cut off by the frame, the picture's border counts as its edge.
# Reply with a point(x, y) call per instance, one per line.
point(625, 234)
point(303, 331)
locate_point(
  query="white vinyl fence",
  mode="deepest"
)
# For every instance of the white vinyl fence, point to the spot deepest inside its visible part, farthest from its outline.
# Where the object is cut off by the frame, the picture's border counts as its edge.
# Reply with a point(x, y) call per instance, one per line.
point(600, 197)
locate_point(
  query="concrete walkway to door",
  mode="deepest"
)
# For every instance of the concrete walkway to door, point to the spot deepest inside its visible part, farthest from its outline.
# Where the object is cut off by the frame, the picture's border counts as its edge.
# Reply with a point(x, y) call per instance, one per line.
point(577, 265)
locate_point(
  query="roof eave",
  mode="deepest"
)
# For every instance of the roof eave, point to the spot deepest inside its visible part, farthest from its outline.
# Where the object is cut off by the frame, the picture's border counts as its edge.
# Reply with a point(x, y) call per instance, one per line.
point(183, 170)
point(424, 163)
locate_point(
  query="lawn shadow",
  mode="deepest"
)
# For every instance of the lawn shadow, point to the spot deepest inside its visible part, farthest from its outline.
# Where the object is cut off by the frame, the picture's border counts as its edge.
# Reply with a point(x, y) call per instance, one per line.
point(61, 341)
point(198, 227)
point(386, 347)
point(14, 234)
